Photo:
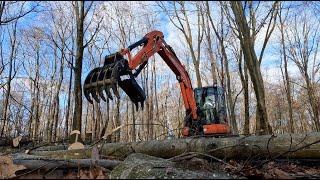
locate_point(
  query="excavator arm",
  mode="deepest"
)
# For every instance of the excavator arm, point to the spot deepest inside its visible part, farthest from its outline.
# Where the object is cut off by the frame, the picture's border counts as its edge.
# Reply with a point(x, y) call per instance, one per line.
point(153, 42)
point(115, 67)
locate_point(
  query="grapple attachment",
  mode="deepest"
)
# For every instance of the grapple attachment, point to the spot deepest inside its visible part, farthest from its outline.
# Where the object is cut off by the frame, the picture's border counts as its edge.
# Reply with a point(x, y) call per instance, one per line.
point(114, 72)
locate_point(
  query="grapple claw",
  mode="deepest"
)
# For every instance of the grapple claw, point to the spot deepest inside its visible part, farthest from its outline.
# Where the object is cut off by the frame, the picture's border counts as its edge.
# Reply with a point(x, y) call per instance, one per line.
point(115, 72)
point(101, 94)
point(115, 91)
point(108, 92)
point(86, 94)
point(99, 88)
point(94, 95)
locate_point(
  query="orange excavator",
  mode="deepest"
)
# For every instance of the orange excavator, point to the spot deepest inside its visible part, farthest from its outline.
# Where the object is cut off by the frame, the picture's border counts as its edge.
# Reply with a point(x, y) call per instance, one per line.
point(205, 106)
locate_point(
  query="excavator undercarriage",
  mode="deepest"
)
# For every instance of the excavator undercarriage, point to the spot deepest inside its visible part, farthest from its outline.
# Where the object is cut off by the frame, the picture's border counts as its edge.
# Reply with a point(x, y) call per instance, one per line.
point(205, 107)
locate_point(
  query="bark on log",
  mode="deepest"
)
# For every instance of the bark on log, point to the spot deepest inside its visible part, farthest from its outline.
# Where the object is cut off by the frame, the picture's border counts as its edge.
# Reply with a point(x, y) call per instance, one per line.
point(65, 154)
point(52, 148)
point(34, 162)
point(266, 146)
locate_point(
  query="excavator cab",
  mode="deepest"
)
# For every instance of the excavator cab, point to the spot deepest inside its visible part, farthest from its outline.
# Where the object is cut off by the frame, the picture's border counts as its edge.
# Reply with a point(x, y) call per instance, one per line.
point(211, 110)
point(210, 104)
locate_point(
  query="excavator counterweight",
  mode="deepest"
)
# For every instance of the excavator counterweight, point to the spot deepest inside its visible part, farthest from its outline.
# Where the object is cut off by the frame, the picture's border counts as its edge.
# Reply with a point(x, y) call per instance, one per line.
point(205, 110)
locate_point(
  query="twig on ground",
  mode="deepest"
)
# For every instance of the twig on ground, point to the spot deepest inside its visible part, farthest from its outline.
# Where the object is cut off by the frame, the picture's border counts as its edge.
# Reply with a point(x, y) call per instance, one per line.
point(286, 152)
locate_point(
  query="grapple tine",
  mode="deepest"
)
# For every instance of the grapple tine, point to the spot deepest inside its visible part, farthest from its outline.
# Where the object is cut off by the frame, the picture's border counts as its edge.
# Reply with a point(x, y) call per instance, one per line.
point(88, 81)
point(94, 95)
point(115, 77)
point(137, 106)
point(115, 90)
point(99, 88)
point(86, 94)
point(100, 91)
point(108, 92)
point(142, 105)
point(107, 87)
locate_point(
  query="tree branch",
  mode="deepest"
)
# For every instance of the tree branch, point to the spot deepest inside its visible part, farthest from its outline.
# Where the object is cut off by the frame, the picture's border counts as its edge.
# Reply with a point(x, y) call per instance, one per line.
point(94, 34)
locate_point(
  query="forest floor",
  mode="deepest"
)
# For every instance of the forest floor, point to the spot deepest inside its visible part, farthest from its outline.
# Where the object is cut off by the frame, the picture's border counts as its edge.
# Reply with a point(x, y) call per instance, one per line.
point(143, 166)
point(38, 161)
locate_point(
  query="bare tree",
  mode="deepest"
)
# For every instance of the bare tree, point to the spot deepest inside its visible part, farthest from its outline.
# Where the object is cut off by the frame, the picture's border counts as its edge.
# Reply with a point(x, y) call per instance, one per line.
point(13, 53)
point(303, 46)
point(247, 37)
point(80, 13)
point(220, 37)
point(285, 61)
point(184, 26)
point(210, 49)
point(14, 10)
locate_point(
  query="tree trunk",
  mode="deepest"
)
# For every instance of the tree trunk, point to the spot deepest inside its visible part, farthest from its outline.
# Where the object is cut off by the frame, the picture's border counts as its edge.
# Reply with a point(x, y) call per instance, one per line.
point(293, 146)
point(220, 37)
point(52, 101)
point(104, 129)
point(69, 98)
point(262, 124)
point(97, 122)
point(266, 146)
point(197, 69)
point(32, 91)
point(147, 111)
point(7, 96)
point(210, 53)
point(39, 162)
point(246, 101)
point(127, 137)
point(157, 118)
point(151, 106)
point(133, 135)
point(51, 120)
point(56, 115)
point(77, 113)
point(117, 121)
point(37, 100)
point(234, 126)
point(244, 82)
point(287, 78)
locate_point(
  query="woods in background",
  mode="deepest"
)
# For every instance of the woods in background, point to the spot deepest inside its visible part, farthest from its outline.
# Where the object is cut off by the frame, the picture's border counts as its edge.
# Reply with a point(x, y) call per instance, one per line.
point(265, 55)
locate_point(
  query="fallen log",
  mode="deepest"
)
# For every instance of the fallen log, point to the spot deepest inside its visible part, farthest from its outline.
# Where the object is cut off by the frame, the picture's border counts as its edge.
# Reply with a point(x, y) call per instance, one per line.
point(296, 146)
point(39, 162)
